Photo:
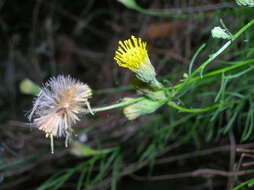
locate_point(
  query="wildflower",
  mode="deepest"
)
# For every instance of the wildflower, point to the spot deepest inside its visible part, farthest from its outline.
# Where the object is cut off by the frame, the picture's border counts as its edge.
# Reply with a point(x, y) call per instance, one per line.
point(132, 54)
point(218, 32)
point(57, 106)
point(144, 106)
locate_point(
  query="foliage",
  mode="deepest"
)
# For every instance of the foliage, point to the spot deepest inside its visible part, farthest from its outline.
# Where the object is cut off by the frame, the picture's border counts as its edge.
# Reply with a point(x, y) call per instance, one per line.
point(203, 103)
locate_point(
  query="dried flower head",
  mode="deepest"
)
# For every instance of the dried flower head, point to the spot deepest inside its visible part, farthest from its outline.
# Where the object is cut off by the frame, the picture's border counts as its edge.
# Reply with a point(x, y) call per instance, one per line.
point(132, 54)
point(57, 106)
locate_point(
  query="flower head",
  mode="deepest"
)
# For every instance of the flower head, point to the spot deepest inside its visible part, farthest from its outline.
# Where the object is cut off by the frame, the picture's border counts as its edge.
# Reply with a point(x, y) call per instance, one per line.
point(143, 107)
point(132, 54)
point(57, 106)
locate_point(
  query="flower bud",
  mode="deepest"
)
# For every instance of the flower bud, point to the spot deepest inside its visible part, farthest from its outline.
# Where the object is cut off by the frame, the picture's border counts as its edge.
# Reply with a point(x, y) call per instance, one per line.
point(82, 150)
point(218, 32)
point(144, 106)
point(129, 3)
point(29, 87)
point(248, 3)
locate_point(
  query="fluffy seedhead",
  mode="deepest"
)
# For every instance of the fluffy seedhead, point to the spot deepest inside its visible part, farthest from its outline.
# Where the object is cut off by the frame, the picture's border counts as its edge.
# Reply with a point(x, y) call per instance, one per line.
point(58, 105)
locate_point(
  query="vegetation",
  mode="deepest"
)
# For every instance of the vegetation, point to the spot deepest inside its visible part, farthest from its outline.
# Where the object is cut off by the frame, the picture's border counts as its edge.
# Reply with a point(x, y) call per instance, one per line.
point(190, 125)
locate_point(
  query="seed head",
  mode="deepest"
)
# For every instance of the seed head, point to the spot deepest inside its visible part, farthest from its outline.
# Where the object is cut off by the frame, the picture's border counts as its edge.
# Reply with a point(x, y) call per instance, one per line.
point(58, 105)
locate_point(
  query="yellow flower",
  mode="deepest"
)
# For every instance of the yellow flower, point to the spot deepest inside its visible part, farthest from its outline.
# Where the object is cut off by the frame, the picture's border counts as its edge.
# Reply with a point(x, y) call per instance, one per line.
point(132, 54)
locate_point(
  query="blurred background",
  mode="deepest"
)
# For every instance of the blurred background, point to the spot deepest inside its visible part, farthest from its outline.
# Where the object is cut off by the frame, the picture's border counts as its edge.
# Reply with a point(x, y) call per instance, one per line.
point(42, 38)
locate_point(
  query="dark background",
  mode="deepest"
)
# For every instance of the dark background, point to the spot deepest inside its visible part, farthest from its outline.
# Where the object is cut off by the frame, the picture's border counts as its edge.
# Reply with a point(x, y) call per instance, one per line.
point(40, 39)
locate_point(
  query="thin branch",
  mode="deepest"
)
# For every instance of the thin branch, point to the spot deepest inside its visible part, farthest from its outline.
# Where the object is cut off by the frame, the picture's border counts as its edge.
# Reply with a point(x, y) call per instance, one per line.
point(192, 10)
point(196, 173)
point(199, 153)
point(232, 159)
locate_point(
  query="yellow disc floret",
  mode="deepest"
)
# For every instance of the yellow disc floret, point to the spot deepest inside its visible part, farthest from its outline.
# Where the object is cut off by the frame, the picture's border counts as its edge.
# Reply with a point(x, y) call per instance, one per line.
point(131, 53)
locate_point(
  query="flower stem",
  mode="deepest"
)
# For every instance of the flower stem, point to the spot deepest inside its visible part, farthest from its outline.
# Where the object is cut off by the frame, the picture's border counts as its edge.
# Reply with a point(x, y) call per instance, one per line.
point(178, 86)
point(201, 68)
point(199, 110)
point(119, 105)
point(216, 72)
point(223, 48)
point(192, 78)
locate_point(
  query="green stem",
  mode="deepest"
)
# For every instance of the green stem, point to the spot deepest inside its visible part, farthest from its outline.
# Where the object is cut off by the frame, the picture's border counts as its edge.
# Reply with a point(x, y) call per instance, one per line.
point(216, 54)
point(199, 110)
point(224, 47)
point(219, 71)
point(192, 79)
point(178, 86)
point(119, 105)
point(175, 13)
point(159, 14)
